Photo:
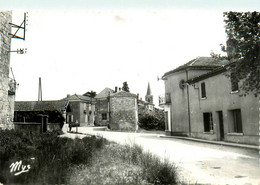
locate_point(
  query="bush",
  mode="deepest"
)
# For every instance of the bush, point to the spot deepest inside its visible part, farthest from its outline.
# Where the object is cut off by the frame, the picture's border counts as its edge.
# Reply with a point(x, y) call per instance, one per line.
point(125, 164)
point(51, 158)
point(152, 121)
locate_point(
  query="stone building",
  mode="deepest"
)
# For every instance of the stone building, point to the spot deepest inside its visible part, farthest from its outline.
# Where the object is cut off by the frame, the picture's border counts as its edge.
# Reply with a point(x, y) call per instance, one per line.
point(7, 86)
point(203, 102)
point(123, 111)
point(116, 109)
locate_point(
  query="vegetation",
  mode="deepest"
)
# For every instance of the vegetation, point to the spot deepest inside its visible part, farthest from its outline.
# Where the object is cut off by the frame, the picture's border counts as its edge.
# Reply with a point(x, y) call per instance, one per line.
point(125, 87)
point(91, 94)
point(126, 164)
point(91, 160)
point(154, 121)
point(243, 48)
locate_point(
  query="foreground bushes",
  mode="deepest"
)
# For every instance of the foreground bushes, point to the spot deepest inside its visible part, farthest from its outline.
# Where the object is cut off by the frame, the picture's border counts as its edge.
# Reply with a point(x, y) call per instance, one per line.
point(50, 158)
point(125, 164)
point(91, 160)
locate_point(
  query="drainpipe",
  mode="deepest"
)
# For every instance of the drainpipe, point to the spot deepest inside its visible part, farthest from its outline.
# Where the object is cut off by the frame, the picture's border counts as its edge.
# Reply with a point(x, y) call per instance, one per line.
point(188, 96)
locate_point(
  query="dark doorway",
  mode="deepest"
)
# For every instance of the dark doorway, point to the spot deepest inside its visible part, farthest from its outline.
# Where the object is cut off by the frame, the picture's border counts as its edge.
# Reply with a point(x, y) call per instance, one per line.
point(221, 126)
point(166, 120)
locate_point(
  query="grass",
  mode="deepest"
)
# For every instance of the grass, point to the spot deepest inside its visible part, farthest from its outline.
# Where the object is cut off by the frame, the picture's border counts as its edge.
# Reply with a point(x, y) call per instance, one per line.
point(91, 160)
point(125, 164)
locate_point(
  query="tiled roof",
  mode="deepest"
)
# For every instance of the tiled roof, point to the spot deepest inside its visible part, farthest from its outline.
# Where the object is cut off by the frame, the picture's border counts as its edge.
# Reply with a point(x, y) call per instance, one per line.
point(214, 72)
point(58, 105)
point(76, 97)
point(104, 93)
point(123, 94)
point(199, 63)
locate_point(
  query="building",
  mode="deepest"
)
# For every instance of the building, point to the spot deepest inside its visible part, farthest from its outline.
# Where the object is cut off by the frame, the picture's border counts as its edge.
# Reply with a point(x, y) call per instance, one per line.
point(81, 110)
point(116, 109)
point(7, 85)
point(123, 111)
point(146, 106)
point(202, 102)
point(40, 115)
point(102, 107)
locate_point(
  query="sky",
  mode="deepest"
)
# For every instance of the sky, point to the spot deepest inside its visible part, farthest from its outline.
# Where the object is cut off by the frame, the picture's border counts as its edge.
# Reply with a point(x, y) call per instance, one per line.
point(79, 46)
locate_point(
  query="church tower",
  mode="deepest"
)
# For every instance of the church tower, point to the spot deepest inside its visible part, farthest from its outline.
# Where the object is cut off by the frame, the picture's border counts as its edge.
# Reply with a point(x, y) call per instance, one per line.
point(149, 96)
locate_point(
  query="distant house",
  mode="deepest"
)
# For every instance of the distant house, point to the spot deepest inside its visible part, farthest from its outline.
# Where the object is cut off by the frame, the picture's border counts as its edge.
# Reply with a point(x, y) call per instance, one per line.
point(81, 110)
point(102, 107)
point(202, 101)
point(32, 114)
point(116, 109)
point(123, 111)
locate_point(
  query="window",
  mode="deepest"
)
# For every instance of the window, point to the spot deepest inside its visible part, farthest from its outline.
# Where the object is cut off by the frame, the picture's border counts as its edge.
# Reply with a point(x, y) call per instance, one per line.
point(234, 82)
point(203, 90)
point(236, 124)
point(70, 118)
point(104, 116)
point(208, 121)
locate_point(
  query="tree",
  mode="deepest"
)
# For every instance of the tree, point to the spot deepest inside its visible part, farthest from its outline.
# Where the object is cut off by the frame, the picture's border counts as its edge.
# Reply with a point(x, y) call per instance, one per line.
point(243, 48)
point(125, 87)
point(91, 94)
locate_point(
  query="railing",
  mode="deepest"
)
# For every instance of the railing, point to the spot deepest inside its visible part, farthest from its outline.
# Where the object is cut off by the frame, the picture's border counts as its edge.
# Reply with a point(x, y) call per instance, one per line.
point(165, 99)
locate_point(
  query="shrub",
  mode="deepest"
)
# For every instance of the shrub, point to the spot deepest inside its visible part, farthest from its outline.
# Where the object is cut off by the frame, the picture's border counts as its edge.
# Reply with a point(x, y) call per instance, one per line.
point(125, 164)
point(152, 121)
point(54, 157)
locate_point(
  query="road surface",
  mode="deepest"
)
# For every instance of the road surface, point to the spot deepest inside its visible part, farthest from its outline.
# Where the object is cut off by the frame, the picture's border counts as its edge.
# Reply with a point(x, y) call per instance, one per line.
point(197, 162)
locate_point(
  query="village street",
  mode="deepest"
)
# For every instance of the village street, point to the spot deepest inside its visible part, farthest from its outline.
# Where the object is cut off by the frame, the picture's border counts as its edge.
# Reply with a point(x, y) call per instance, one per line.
point(197, 162)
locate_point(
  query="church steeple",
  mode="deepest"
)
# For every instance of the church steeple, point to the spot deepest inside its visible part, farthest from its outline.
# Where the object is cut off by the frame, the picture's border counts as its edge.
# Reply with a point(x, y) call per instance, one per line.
point(149, 96)
point(149, 92)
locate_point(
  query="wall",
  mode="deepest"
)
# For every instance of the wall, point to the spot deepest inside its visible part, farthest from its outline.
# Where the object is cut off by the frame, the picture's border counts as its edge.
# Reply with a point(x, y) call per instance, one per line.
point(6, 102)
point(123, 113)
point(220, 98)
point(179, 118)
point(102, 108)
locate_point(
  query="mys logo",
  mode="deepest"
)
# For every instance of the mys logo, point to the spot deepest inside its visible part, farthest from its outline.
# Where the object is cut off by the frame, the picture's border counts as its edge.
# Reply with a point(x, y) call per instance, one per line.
point(18, 168)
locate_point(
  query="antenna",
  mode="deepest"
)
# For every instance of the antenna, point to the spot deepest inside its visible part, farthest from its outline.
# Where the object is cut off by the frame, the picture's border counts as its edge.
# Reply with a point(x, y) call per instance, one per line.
point(22, 26)
point(40, 90)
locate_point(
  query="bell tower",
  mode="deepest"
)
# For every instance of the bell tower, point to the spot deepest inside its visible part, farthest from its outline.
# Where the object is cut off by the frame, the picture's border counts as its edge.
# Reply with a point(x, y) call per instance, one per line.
point(149, 96)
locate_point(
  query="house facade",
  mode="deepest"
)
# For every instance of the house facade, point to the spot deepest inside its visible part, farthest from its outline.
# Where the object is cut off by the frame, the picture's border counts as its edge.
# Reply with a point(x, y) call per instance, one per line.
point(203, 103)
point(102, 116)
point(7, 85)
point(81, 110)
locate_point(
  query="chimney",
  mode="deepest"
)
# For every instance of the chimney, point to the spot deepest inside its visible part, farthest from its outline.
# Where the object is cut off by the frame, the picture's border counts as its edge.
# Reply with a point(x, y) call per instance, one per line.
point(115, 89)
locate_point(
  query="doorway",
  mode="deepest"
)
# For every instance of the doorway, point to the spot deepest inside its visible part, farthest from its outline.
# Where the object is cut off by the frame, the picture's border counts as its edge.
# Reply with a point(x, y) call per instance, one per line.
point(221, 126)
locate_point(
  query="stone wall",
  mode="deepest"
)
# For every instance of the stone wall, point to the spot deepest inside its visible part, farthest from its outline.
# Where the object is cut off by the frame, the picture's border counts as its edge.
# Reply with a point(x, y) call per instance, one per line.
point(6, 101)
point(102, 108)
point(123, 110)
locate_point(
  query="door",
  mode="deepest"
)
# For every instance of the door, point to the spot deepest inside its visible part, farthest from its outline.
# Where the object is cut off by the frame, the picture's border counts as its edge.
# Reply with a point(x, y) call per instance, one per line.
point(166, 120)
point(221, 126)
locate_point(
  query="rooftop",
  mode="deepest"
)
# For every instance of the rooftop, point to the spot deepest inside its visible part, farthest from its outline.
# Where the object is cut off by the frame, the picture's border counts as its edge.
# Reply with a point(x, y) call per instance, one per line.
point(202, 63)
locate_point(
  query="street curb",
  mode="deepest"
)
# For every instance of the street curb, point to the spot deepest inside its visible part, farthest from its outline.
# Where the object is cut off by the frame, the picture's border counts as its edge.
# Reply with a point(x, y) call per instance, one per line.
point(213, 142)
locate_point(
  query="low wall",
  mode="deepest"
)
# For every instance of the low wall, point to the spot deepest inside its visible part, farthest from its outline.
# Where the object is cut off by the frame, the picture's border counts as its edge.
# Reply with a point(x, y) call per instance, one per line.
point(36, 127)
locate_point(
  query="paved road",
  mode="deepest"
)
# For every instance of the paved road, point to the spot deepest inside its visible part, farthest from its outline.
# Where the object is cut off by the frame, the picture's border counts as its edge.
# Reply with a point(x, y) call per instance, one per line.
point(197, 162)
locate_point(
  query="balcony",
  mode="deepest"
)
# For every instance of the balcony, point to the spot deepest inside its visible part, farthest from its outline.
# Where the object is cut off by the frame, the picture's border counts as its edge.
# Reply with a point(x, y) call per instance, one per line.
point(165, 99)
